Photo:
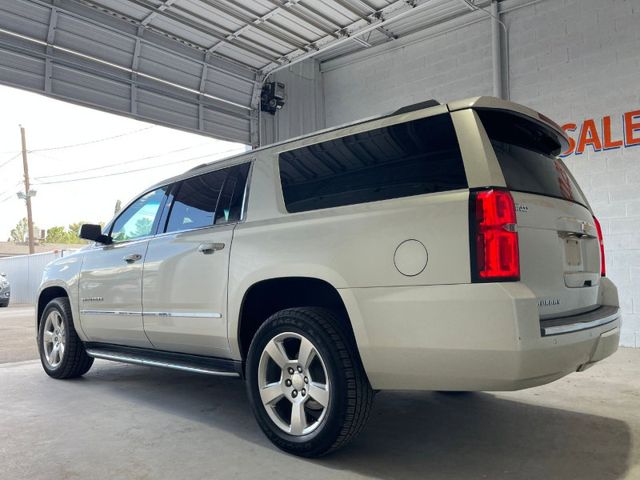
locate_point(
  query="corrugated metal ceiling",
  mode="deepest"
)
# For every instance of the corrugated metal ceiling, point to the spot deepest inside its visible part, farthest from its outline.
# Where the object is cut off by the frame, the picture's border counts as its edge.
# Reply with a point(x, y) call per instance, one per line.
point(193, 64)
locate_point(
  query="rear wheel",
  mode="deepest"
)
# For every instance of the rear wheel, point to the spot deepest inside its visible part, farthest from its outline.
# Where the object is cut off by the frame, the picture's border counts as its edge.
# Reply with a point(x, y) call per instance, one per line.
point(305, 382)
point(62, 353)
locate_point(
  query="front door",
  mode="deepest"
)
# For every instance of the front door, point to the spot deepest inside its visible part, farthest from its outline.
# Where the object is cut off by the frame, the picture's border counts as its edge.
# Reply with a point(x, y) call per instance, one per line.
point(110, 283)
point(186, 268)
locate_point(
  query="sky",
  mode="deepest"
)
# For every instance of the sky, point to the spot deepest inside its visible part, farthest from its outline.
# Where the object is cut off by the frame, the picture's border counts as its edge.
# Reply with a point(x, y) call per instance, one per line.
point(113, 144)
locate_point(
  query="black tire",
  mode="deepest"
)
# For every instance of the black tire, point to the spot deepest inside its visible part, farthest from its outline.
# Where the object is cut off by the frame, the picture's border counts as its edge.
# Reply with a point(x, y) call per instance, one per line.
point(350, 395)
point(74, 362)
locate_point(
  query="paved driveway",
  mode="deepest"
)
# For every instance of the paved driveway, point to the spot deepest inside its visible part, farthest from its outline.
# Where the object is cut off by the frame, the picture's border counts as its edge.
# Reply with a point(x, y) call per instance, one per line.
point(131, 422)
point(17, 334)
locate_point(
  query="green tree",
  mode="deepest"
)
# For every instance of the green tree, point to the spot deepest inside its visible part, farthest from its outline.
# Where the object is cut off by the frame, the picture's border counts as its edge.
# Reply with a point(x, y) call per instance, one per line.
point(19, 233)
point(57, 235)
point(74, 232)
point(143, 227)
point(71, 234)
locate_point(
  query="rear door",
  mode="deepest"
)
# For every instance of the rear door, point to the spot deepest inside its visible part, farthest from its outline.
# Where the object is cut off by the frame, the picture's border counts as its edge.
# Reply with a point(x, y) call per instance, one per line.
point(186, 267)
point(558, 239)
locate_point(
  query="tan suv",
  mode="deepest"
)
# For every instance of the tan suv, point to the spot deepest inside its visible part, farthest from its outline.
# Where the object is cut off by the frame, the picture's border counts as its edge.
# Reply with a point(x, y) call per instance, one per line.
point(443, 247)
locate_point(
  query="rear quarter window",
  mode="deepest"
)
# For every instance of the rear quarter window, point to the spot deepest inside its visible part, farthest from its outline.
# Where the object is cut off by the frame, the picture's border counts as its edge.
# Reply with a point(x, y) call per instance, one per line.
point(413, 158)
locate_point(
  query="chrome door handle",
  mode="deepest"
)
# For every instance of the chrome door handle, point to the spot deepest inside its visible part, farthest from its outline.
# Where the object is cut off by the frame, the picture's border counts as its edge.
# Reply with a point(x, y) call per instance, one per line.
point(209, 248)
point(134, 257)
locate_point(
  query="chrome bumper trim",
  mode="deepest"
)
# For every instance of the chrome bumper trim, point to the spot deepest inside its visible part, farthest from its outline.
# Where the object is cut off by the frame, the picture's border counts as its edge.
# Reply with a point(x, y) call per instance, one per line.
point(579, 326)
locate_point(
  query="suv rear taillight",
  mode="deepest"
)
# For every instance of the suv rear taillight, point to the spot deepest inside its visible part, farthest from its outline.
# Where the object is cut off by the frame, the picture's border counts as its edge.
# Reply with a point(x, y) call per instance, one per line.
point(494, 237)
point(603, 269)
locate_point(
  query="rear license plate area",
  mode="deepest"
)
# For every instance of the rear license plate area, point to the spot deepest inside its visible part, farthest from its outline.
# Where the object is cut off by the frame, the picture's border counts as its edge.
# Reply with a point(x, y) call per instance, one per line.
point(572, 252)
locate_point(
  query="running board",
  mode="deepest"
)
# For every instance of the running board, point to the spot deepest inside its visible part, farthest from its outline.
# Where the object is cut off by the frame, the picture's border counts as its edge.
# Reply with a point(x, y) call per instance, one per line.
point(157, 358)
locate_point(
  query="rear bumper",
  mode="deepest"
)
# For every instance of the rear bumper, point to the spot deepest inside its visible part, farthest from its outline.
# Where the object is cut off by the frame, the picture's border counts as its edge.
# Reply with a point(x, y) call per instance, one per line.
point(473, 337)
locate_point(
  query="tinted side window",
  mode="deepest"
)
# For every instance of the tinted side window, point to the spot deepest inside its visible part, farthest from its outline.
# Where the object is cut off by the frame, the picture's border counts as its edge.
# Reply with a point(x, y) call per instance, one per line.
point(412, 158)
point(195, 201)
point(138, 220)
point(230, 204)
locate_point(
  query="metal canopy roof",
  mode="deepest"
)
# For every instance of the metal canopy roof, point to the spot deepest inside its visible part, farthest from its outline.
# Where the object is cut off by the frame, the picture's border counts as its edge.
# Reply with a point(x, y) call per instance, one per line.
point(192, 64)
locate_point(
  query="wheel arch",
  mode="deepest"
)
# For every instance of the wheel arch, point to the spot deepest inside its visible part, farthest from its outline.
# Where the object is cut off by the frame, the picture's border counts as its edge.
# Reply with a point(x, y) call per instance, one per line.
point(45, 296)
point(268, 296)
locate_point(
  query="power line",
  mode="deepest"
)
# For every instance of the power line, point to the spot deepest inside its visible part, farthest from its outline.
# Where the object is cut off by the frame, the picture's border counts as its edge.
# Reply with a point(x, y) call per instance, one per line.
point(7, 198)
point(132, 170)
point(11, 159)
point(10, 195)
point(98, 140)
point(125, 162)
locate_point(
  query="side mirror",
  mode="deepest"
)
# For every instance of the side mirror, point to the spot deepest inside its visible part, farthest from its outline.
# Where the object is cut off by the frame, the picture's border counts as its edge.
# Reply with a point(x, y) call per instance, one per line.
point(92, 232)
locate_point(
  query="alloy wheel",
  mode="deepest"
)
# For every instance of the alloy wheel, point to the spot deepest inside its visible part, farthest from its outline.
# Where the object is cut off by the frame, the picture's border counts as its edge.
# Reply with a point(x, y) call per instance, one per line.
point(293, 383)
point(54, 339)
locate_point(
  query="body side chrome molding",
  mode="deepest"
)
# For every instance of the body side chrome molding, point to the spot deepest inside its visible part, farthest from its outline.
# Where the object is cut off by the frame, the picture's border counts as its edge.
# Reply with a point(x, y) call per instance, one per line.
point(154, 314)
point(109, 312)
point(123, 358)
point(183, 314)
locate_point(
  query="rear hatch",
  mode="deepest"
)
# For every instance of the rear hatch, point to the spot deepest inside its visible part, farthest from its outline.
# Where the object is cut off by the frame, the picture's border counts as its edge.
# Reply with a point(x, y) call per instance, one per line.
point(558, 239)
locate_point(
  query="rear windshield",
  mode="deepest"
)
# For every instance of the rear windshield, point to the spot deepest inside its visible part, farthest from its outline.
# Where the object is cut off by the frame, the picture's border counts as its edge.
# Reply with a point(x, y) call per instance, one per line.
point(527, 153)
point(412, 158)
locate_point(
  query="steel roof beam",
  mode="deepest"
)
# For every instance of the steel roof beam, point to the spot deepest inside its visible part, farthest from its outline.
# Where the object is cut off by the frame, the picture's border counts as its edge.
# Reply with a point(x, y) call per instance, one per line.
point(200, 48)
point(82, 67)
point(270, 17)
point(166, 4)
point(258, 22)
point(383, 17)
point(370, 18)
point(255, 51)
point(305, 18)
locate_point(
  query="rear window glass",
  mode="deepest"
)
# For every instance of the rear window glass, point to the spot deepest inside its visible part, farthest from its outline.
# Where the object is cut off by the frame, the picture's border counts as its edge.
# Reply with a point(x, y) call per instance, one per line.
point(412, 158)
point(527, 153)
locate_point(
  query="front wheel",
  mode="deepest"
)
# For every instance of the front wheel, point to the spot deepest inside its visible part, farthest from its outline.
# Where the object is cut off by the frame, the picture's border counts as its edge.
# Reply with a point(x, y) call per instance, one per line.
point(62, 353)
point(305, 382)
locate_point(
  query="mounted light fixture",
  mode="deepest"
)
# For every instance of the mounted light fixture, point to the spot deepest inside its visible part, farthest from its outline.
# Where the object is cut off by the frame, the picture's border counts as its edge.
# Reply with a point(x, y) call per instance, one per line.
point(272, 97)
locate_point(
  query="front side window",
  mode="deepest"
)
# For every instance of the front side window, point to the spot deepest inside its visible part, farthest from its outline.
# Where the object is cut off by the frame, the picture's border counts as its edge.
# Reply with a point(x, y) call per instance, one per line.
point(138, 219)
point(411, 158)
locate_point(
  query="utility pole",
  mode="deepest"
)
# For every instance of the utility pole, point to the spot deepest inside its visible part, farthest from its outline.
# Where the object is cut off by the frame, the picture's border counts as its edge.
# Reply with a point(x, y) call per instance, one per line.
point(27, 192)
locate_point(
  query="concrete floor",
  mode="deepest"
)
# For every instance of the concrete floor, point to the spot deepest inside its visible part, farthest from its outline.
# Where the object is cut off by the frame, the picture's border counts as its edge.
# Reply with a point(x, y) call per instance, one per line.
point(17, 334)
point(123, 421)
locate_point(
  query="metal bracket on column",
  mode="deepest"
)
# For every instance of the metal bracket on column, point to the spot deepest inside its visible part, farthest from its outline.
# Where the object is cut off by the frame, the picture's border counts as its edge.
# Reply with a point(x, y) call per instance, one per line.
point(203, 81)
point(51, 33)
point(255, 110)
point(134, 72)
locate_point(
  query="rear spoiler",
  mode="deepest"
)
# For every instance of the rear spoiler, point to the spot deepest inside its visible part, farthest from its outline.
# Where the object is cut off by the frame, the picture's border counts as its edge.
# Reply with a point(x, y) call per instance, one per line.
point(516, 108)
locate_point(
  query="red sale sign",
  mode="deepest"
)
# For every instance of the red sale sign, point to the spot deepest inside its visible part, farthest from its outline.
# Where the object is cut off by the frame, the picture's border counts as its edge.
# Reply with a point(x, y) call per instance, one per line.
point(600, 135)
